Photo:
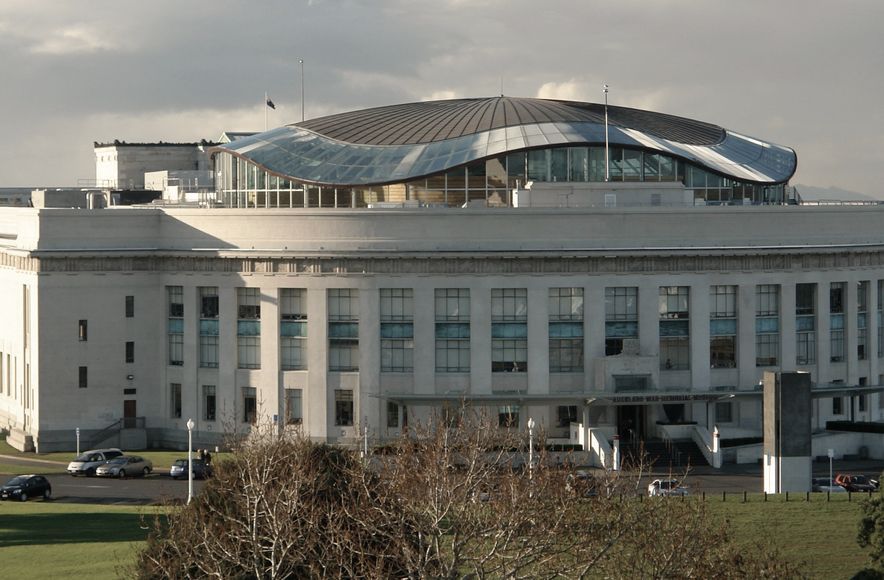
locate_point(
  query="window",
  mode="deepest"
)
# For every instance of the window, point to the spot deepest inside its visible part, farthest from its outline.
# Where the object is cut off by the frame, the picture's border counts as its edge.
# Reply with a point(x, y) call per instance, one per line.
point(293, 328)
point(861, 402)
point(675, 345)
point(82, 331)
point(452, 307)
point(767, 325)
point(862, 310)
point(175, 400)
point(343, 408)
point(209, 402)
point(84, 376)
point(130, 352)
point(805, 323)
point(293, 412)
point(249, 405)
point(508, 416)
point(509, 330)
point(566, 330)
point(565, 415)
point(248, 328)
point(392, 414)
point(837, 405)
point(723, 326)
point(343, 330)
point(724, 412)
point(175, 301)
point(397, 330)
point(836, 321)
point(130, 306)
point(208, 345)
point(621, 318)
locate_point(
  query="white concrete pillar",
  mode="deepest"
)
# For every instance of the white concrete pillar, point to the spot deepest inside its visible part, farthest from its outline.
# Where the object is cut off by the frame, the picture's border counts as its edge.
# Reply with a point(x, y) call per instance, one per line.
point(480, 340)
point(788, 351)
point(270, 397)
point(368, 403)
point(593, 328)
point(538, 340)
point(699, 329)
point(746, 336)
point(424, 340)
point(315, 397)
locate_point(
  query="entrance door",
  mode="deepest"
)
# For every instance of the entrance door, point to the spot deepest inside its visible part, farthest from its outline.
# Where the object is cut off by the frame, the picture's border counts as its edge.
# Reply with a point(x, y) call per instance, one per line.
point(631, 423)
point(129, 414)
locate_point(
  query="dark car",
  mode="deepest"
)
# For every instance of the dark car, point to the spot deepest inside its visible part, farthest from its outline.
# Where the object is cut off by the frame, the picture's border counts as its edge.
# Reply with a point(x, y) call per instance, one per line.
point(852, 482)
point(23, 487)
point(201, 469)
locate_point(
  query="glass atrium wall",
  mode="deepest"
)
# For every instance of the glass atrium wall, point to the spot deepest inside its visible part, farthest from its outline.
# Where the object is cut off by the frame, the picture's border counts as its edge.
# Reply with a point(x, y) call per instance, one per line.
point(489, 182)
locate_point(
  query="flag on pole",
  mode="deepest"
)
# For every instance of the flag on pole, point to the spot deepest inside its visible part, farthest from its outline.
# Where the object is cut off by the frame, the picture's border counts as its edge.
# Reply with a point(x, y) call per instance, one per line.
point(270, 104)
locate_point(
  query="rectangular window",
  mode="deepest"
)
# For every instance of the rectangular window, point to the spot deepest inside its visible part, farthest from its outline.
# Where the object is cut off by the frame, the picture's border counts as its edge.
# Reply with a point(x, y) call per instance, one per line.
point(130, 306)
point(343, 330)
point(509, 330)
point(293, 413)
point(452, 307)
point(397, 330)
point(767, 325)
point(861, 403)
point(208, 339)
point(723, 327)
point(862, 333)
point(805, 323)
point(392, 414)
point(724, 412)
point(837, 405)
point(82, 331)
point(508, 416)
point(249, 405)
point(836, 321)
point(175, 302)
point(84, 376)
point(175, 400)
point(566, 330)
point(248, 328)
point(565, 415)
point(209, 402)
point(293, 328)
point(343, 408)
point(621, 318)
point(675, 343)
point(130, 352)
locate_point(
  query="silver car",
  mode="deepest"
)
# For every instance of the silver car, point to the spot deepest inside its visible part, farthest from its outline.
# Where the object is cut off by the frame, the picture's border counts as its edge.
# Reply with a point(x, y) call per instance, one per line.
point(666, 487)
point(86, 463)
point(125, 466)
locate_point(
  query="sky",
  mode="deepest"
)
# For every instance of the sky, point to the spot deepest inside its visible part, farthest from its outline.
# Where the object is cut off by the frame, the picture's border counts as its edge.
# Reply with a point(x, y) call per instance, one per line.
point(808, 74)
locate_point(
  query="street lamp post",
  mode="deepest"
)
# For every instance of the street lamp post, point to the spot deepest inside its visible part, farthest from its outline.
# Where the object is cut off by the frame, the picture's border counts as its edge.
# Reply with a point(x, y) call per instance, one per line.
point(190, 425)
point(530, 447)
point(607, 155)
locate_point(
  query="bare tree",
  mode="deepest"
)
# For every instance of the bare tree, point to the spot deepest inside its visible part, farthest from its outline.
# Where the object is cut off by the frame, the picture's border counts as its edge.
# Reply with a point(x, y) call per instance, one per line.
point(450, 499)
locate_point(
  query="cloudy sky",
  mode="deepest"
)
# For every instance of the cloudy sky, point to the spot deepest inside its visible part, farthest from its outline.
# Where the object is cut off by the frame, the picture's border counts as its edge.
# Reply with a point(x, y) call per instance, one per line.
point(808, 74)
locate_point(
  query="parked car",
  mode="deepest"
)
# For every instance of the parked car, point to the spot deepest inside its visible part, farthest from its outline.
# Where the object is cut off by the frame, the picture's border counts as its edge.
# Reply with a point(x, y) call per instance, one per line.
point(824, 484)
point(852, 482)
point(86, 463)
point(201, 469)
point(582, 484)
point(23, 487)
point(666, 487)
point(124, 466)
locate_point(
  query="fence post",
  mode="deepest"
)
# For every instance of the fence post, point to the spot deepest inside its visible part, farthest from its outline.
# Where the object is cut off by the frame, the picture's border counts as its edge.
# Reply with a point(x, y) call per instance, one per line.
point(723, 496)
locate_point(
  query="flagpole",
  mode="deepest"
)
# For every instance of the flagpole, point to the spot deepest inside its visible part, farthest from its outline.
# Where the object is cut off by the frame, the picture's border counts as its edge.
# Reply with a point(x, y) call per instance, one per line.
point(265, 111)
point(607, 155)
point(301, 62)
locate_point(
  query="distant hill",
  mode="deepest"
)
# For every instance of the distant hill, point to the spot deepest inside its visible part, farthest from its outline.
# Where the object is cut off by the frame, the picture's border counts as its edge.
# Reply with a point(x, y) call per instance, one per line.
point(811, 193)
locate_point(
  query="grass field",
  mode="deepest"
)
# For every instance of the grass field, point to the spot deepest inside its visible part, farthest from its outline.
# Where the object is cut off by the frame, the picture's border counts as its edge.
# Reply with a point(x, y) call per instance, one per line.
point(42, 540)
point(48, 539)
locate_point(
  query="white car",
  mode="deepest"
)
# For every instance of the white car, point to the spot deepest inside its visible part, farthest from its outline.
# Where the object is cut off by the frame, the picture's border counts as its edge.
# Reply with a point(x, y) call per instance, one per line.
point(86, 463)
point(666, 487)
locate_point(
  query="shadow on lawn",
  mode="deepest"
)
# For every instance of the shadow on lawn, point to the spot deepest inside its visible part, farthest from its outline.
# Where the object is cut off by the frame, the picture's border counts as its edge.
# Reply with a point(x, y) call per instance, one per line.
point(83, 527)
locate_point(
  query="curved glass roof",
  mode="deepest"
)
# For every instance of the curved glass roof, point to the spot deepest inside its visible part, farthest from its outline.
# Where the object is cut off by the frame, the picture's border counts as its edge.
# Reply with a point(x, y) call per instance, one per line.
point(405, 142)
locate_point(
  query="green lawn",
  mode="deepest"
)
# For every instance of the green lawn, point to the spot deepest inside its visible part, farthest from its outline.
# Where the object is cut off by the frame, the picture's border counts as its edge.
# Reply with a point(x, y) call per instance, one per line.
point(818, 533)
point(48, 539)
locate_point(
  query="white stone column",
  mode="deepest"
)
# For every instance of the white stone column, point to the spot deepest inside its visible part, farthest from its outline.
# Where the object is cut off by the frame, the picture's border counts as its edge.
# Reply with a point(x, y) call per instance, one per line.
point(270, 398)
point(424, 340)
point(850, 329)
point(228, 393)
point(593, 329)
point(480, 340)
point(538, 340)
point(788, 337)
point(649, 318)
point(699, 329)
point(746, 336)
point(823, 334)
point(368, 404)
point(317, 417)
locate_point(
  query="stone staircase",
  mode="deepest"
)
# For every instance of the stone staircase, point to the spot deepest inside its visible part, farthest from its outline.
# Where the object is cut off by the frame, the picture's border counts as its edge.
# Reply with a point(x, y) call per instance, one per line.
point(675, 456)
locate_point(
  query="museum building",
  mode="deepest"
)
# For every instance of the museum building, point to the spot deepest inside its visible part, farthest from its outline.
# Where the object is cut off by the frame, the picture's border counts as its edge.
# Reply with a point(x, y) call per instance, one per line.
point(627, 272)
